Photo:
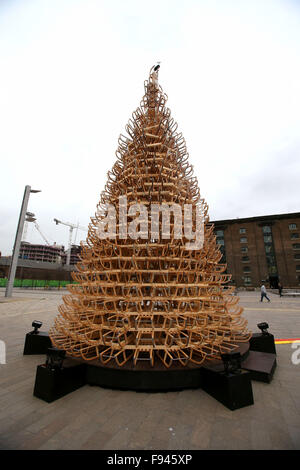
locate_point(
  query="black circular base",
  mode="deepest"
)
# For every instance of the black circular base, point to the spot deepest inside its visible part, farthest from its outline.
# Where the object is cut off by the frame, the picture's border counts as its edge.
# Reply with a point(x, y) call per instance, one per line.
point(145, 378)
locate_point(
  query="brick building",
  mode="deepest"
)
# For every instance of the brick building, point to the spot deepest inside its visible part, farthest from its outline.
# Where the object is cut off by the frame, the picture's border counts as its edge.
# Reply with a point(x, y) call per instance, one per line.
point(265, 248)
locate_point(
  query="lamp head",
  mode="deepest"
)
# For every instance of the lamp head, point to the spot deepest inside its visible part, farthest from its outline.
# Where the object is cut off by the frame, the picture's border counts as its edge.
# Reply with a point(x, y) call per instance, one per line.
point(263, 327)
point(36, 325)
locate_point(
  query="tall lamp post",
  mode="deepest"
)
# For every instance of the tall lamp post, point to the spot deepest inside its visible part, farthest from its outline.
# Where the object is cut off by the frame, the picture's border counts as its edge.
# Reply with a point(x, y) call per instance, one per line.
point(17, 244)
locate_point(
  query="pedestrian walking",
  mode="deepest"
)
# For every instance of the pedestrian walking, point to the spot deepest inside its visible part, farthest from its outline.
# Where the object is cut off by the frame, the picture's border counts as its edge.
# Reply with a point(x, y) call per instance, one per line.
point(280, 287)
point(263, 293)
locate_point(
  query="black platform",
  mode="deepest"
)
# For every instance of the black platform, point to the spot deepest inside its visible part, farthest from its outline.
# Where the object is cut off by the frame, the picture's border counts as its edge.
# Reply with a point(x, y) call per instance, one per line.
point(233, 390)
point(143, 380)
point(263, 343)
point(261, 366)
point(37, 343)
point(53, 384)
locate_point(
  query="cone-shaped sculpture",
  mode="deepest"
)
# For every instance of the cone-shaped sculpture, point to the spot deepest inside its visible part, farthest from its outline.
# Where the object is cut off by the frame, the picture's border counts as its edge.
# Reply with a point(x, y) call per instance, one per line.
point(150, 297)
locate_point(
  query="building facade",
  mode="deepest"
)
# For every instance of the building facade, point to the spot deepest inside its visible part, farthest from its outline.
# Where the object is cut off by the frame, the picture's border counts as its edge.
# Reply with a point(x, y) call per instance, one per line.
point(49, 254)
point(261, 249)
point(43, 253)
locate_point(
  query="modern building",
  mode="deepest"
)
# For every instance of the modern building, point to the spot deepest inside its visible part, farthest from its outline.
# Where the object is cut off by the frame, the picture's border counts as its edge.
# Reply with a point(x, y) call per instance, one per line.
point(265, 248)
point(49, 254)
point(44, 253)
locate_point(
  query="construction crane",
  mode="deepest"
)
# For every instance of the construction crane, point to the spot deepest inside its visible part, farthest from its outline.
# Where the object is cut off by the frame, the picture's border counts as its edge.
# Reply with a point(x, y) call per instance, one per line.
point(39, 230)
point(71, 228)
point(30, 217)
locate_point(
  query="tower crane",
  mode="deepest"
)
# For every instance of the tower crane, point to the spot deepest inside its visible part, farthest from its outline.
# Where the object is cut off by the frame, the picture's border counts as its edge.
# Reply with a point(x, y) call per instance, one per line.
point(71, 228)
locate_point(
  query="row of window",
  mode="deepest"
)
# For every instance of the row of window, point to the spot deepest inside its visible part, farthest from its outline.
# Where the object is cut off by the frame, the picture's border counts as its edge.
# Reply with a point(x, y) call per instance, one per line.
point(248, 280)
point(267, 228)
point(247, 259)
point(247, 270)
point(266, 231)
point(268, 239)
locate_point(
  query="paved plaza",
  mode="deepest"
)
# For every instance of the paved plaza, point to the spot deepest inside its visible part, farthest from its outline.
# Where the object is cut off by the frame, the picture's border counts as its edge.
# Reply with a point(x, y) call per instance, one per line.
point(97, 418)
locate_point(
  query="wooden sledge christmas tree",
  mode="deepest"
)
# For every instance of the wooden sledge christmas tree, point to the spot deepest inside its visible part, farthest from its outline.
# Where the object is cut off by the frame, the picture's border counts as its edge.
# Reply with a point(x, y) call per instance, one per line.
point(144, 297)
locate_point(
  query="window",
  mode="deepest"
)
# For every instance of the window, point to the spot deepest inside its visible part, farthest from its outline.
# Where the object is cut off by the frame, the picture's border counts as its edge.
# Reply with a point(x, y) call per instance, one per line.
point(246, 269)
point(245, 258)
point(294, 235)
point(220, 233)
point(293, 226)
point(269, 250)
point(242, 230)
point(220, 241)
point(297, 256)
point(243, 240)
point(296, 246)
point(298, 267)
point(271, 259)
point(247, 280)
point(244, 249)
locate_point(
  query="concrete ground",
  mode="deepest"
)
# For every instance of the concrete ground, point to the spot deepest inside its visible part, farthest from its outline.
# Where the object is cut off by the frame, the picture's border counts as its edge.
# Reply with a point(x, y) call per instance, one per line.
point(96, 418)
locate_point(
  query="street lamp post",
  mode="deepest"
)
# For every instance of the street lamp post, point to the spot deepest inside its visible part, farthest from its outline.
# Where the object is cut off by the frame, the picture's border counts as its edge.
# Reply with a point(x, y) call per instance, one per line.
point(17, 244)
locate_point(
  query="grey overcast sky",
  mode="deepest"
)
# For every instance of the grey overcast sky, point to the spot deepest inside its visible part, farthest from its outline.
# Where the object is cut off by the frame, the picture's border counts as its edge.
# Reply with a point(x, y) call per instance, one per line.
point(72, 72)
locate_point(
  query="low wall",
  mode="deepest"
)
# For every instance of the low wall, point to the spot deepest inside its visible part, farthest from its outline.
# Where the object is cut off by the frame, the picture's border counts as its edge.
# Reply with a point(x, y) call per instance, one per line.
point(27, 269)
